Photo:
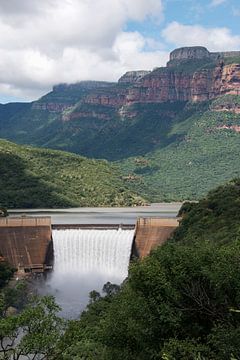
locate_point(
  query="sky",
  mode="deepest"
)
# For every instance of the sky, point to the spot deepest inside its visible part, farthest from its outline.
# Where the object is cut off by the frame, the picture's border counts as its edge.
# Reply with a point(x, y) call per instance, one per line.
point(46, 42)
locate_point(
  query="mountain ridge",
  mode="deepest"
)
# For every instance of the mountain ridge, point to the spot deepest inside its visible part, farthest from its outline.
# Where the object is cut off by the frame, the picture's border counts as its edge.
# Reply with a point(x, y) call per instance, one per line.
point(155, 115)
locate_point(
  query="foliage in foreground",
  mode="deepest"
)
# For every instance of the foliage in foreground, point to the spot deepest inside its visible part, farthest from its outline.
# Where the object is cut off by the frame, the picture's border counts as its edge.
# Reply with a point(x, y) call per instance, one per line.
point(35, 332)
point(182, 302)
point(6, 272)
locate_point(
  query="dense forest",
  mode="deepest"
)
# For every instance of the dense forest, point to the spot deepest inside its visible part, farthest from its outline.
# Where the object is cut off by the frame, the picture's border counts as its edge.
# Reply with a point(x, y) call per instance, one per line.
point(32, 177)
point(181, 302)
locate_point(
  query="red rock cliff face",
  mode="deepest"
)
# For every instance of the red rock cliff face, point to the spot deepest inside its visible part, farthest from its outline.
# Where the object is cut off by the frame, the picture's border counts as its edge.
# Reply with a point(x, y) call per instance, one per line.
point(169, 85)
point(208, 84)
point(192, 74)
point(161, 85)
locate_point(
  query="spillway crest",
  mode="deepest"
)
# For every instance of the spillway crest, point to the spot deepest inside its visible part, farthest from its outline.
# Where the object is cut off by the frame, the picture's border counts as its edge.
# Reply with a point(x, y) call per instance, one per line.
point(84, 260)
point(84, 251)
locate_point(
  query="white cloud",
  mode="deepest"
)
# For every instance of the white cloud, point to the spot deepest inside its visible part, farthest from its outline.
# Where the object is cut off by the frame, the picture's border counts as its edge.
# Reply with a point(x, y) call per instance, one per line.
point(217, 2)
point(215, 39)
point(50, 41)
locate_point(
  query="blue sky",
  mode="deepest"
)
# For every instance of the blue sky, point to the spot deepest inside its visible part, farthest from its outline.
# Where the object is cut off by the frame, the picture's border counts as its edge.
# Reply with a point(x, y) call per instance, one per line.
point(46, 42)
point(192, 12)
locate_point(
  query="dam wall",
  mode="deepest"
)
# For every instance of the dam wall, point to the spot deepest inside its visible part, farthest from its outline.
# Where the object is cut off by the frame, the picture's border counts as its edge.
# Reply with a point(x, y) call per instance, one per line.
point(150, 233)
point(26, 243)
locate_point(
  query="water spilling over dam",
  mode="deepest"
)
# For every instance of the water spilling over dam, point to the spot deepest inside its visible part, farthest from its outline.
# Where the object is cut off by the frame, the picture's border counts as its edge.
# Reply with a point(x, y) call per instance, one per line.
point(82, 251)
point(85, 260)
point(83, 257)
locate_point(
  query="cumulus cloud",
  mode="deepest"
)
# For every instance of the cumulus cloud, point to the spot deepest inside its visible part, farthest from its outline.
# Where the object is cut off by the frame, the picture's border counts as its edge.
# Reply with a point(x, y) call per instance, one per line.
point(215, 39)
point(52, 41)
point(217, 2)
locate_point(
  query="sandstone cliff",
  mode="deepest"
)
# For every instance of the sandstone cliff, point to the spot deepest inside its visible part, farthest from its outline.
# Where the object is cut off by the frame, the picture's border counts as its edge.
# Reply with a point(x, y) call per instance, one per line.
point(192, 74)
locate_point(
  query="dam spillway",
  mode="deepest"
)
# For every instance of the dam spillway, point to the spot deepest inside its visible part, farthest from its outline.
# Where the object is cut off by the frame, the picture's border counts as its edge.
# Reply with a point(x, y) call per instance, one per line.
point(83, 251)
point(85, 256)
point(84, 260)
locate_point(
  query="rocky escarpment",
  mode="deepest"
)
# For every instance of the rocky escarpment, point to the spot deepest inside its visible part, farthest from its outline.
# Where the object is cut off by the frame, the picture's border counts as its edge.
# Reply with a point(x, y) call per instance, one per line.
point(197, 53)
point(166, 84)
point(192, 74)
point(132, 77)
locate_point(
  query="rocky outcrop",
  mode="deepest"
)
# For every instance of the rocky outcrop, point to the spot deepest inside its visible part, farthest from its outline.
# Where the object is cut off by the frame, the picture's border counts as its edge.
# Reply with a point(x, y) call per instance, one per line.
point(186, 53)
point(198, 53)
point(114, 97)
point(159, 86)
point(192, 74)
point(166, 84)
point(132, 77)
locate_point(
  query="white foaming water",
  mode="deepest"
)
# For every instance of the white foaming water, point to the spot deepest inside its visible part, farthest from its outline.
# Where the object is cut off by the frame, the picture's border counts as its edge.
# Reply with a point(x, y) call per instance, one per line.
point(85, 260)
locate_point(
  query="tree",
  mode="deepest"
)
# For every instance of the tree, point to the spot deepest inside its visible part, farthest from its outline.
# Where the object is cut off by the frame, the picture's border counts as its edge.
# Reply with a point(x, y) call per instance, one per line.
point(36, 331)
point(6, 272)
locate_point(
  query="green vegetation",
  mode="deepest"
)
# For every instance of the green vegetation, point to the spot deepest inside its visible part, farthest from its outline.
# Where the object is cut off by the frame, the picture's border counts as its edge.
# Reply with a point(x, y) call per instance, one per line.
point(166, 152)
point(6, 272)
point(40, 329)
point(232, 60)
point(181, 302)
point(170, 151)
point(31, 177)
point(226, 100)
point(190, 66)
point(203, 154)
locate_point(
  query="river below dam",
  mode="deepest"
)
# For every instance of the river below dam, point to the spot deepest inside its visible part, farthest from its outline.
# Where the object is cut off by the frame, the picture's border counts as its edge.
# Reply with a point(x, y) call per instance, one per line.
point(85, 260)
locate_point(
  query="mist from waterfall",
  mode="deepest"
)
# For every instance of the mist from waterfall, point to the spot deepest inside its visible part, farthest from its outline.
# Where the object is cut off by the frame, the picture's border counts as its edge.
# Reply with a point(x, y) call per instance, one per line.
point(85, 260)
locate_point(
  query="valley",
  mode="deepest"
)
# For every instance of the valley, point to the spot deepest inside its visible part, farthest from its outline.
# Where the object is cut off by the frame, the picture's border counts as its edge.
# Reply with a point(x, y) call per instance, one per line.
point(172, 133)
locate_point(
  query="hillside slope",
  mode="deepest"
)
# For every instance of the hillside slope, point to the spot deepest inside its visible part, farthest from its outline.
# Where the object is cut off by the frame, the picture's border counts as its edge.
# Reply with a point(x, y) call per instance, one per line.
point(128, 118)
point(34, 178)
point(205, 153)
point(173, 130)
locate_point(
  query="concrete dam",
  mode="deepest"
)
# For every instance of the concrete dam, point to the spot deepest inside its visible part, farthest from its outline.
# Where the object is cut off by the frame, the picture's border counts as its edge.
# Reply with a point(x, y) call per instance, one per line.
point(31, 244)
point(81, 257)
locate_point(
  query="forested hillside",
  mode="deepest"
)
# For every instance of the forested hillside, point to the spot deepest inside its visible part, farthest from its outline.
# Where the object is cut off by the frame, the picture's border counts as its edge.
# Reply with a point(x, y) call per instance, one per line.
point(31, 177)
point(204, 153)
point(181, 302)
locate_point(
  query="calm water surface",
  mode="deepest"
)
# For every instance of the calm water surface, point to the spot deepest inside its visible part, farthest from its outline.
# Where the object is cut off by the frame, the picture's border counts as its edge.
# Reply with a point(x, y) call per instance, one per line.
point(103, 215)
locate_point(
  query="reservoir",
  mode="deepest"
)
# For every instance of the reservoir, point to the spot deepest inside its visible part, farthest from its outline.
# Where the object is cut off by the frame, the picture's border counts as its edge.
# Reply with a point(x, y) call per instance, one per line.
point(103, 215)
